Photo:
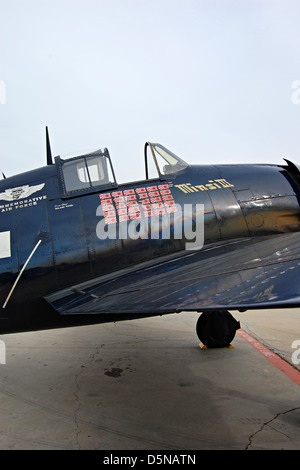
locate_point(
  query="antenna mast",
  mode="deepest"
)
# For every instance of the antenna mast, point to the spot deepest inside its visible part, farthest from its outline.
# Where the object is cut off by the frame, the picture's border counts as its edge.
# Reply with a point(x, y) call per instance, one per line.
point(49, 154)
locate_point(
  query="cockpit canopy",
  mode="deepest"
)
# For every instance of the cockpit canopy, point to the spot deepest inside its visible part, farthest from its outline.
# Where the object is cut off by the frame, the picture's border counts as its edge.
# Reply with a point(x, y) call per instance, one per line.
point(86, 172)
point(94, 171)
point(166, 162)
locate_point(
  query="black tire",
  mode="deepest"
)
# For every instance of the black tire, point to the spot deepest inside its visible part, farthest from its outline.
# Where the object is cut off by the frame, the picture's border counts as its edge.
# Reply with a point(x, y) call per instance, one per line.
point(216, 328)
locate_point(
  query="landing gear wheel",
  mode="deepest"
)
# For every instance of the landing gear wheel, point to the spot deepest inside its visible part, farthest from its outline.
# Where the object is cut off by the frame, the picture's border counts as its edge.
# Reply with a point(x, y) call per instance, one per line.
point(216, 328)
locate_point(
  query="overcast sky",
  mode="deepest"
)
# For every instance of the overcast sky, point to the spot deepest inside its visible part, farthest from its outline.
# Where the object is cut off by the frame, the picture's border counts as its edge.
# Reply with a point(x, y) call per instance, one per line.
point(210, 79)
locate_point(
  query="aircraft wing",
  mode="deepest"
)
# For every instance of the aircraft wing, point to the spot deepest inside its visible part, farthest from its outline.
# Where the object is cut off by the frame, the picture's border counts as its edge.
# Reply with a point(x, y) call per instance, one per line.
point(262, 272)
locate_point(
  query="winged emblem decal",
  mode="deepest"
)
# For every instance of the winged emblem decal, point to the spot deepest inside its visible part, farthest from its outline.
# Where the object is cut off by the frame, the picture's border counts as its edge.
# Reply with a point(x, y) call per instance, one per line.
point(14, 194)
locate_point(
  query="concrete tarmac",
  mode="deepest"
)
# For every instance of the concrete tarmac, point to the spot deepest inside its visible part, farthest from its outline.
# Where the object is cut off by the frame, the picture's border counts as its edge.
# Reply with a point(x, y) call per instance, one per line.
point(146, 384)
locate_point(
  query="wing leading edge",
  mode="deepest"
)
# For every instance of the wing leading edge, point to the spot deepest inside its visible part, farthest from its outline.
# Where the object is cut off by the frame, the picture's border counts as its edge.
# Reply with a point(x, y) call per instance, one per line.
point(260, 272)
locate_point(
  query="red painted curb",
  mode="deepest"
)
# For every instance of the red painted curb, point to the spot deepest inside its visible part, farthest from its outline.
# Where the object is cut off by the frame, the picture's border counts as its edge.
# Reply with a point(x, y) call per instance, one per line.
point(281, 364)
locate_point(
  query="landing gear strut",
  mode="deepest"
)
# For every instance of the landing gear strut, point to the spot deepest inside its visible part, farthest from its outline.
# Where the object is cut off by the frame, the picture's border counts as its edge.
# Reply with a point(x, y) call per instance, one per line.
point(216, 328)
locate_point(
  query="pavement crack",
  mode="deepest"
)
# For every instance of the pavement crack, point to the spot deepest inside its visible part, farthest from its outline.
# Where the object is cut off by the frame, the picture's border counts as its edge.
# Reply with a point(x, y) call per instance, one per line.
point(77, 392)
point(267, 423)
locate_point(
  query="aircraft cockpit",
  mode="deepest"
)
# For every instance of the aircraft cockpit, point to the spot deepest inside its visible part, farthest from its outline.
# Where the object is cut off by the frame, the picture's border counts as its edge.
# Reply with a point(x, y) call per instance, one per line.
point(86, 173)
point(93, 171)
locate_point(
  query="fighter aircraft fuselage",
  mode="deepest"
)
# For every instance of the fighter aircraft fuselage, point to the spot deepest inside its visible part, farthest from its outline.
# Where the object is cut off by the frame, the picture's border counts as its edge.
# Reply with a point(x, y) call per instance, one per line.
point(70, 222)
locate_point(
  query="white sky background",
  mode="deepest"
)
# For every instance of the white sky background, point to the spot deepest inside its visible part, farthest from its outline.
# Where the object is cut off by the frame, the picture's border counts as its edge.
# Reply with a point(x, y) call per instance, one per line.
point(209, 79)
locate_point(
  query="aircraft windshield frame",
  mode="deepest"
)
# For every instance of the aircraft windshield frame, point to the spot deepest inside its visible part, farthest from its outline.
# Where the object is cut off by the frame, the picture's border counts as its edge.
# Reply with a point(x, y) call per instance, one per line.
point(166, 162)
